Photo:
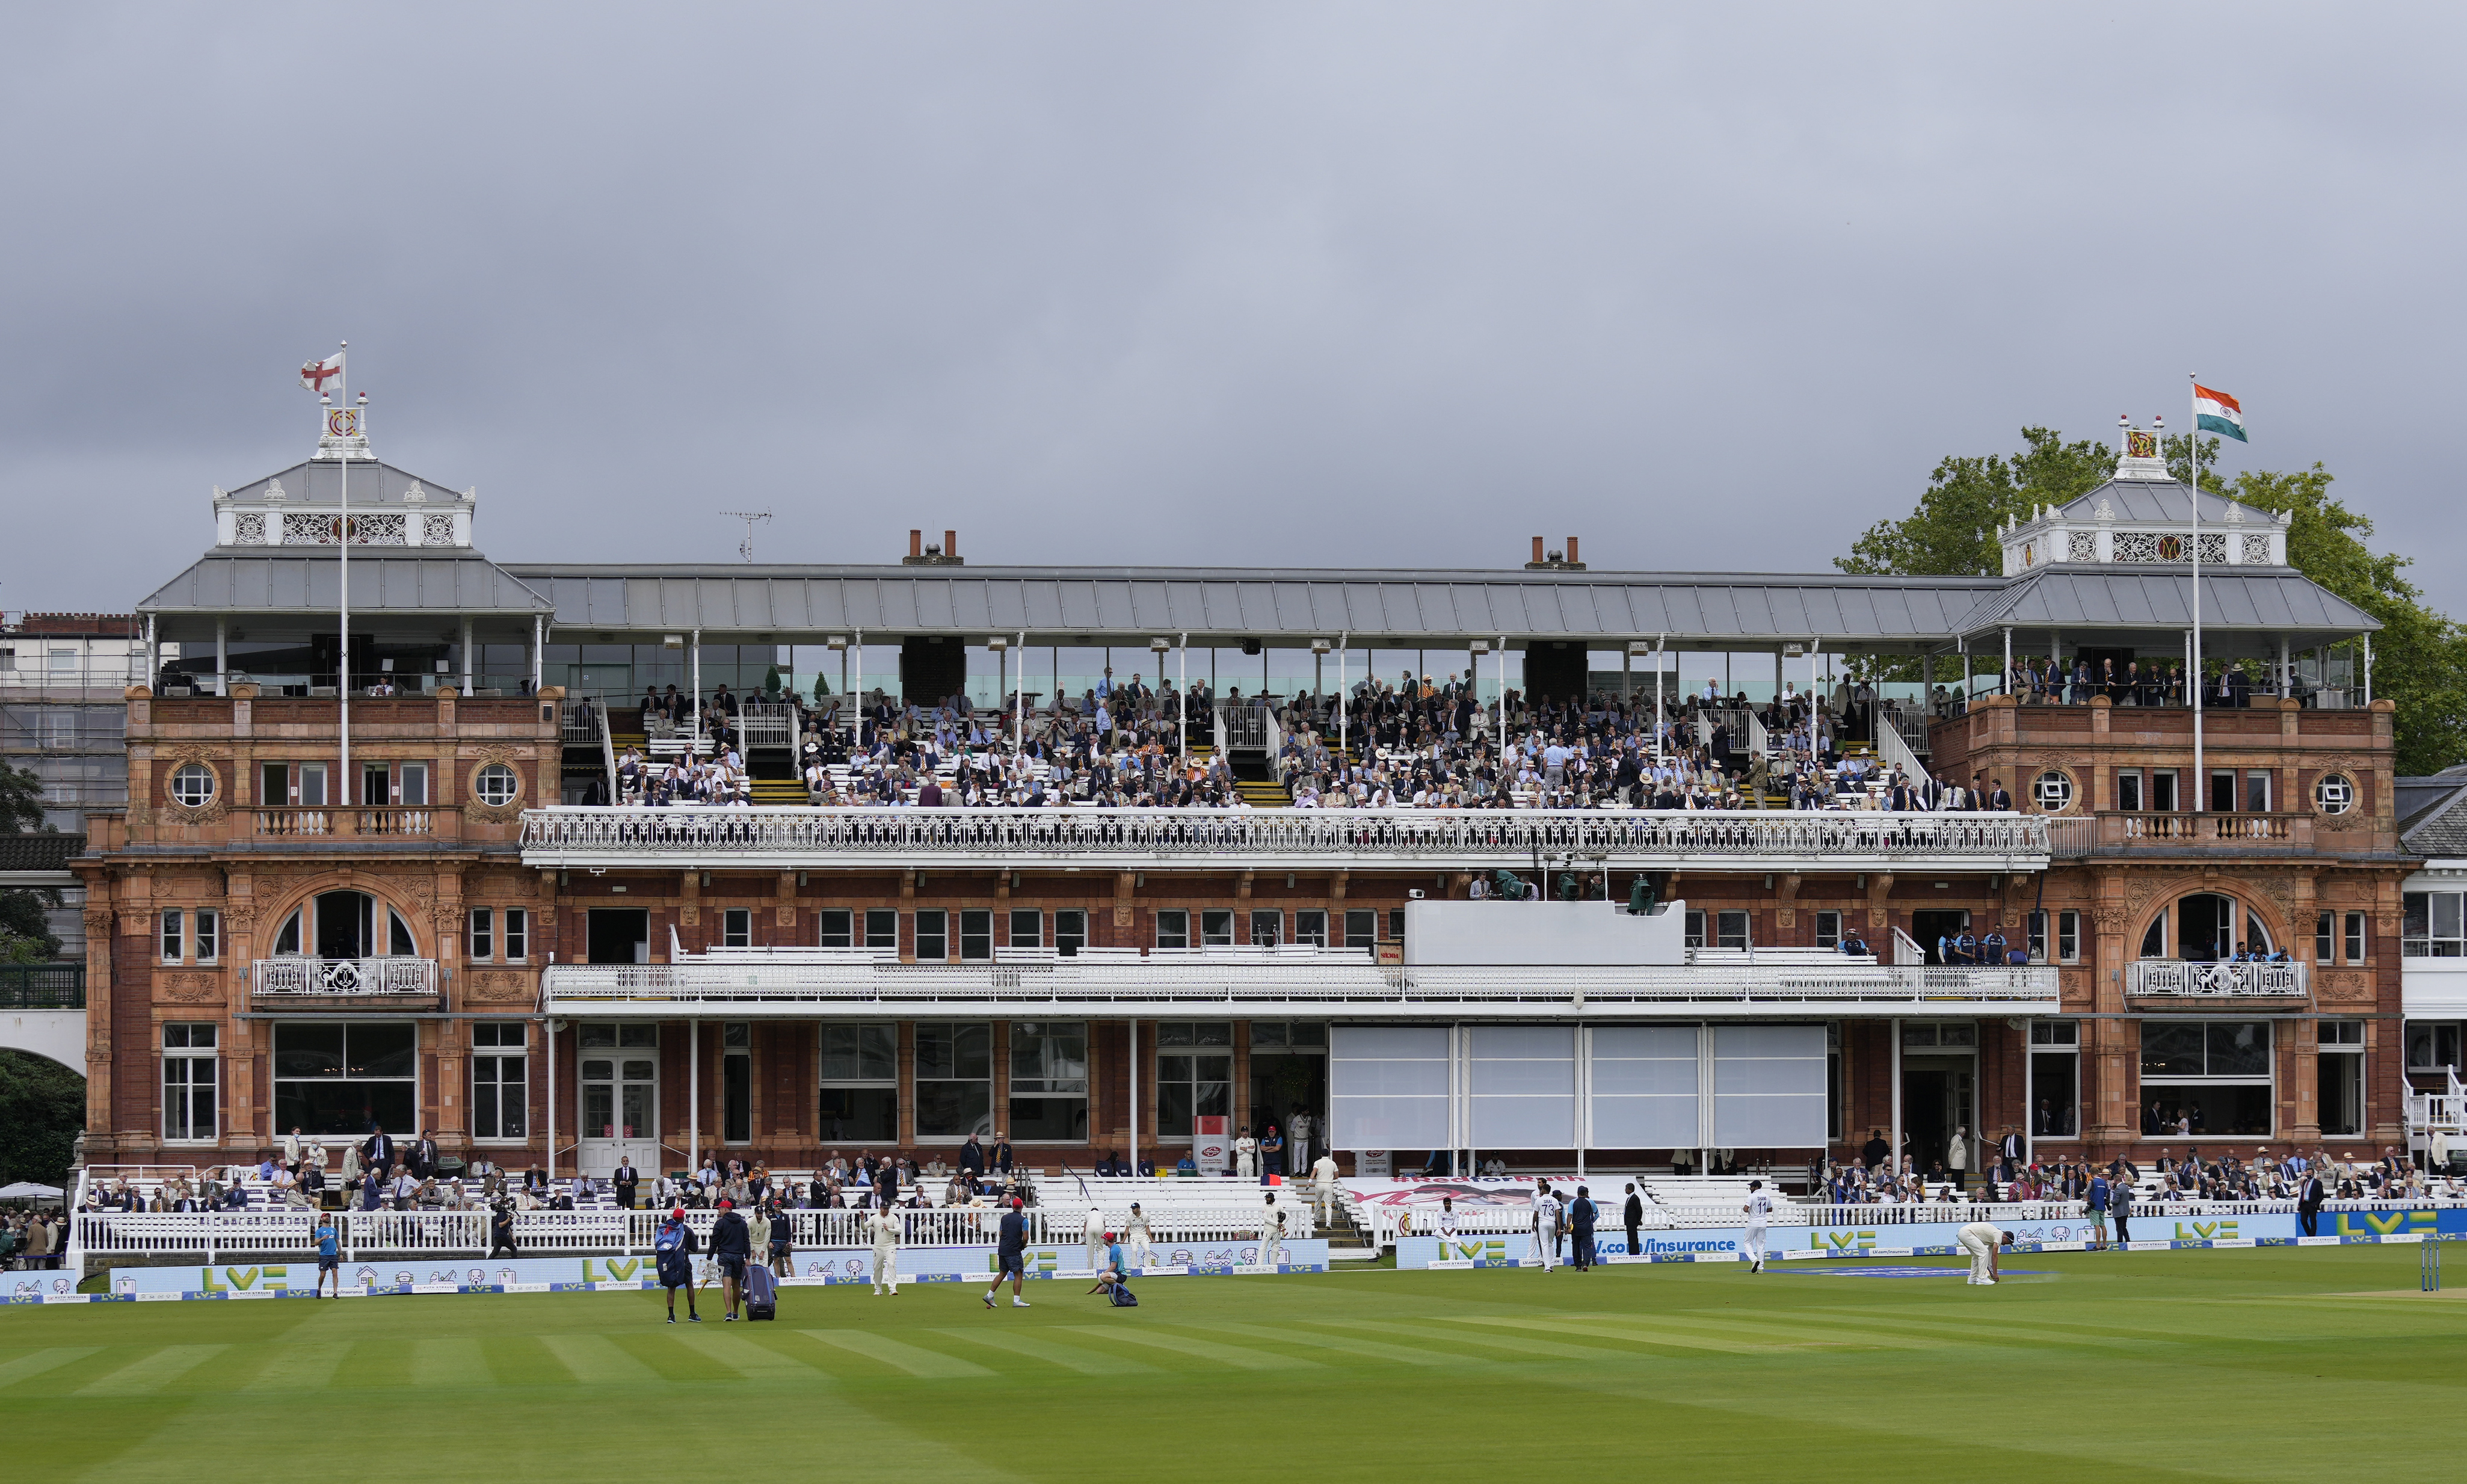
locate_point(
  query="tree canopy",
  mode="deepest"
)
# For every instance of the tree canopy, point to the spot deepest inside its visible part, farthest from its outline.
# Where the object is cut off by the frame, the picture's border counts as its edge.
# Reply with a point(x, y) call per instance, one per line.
point(2419, 656)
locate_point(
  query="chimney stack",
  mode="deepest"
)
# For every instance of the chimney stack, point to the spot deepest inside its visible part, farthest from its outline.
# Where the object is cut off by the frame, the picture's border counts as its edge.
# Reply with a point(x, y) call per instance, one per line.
point(1572, 552)
point(1537, 551)
point(950, 543)
point(916, 545)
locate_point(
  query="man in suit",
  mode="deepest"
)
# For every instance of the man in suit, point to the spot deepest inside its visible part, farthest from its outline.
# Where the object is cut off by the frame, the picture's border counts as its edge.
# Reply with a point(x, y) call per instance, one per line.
point(972, 1159)
point(377, 1154)
point(422, 1160)
point(1999, 799)
point(627, 1180)
point(2009, 1147)
point(1632, 1215)
point(1002, 1153)
point(2308, 1202)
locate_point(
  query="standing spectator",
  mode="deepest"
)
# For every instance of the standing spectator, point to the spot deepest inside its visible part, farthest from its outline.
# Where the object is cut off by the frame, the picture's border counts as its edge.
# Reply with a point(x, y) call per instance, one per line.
point(628, 1180)
point(1002, 1153)
point(1956, 1156)
point(1246, 1154)
point(2119, 1200)
point(377, 1154)
point(1632, 1214)
point(1272, 1155)
point(422, 1158)
point(2308, 1202)
point(1297, 1141)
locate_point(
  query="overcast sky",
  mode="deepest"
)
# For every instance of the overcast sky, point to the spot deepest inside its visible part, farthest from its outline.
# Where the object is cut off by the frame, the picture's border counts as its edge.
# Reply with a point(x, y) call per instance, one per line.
point(1256, 284)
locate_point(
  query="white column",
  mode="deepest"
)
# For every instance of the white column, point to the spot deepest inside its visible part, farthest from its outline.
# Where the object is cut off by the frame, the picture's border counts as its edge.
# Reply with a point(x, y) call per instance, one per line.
point(1135, 1096)
point(2029, 1090)
point(468, 667)
point(693, 1094)
point(1893, 1156)
point(856, 726)
point(551, 1026)
point(222, 656)
point(539, 649)
point(1181, 753)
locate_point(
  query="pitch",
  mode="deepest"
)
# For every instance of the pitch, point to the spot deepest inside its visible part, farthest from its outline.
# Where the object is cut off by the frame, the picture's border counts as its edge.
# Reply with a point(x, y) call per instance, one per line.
point(2102, 1365)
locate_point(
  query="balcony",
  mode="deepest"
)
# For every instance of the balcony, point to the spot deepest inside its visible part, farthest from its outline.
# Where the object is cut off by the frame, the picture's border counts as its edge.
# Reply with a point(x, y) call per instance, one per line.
point(316, 825)
point(1279, 839)
point(42, 986)
point(2171, 978)
point(1124, 983)
point(400, 982)
point(2072, 836)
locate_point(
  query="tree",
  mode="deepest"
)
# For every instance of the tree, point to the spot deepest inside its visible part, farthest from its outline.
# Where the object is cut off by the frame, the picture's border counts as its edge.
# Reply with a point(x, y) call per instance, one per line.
point(1953, 531)
point(42, 1111)
point(21, 802)
point(25, 934)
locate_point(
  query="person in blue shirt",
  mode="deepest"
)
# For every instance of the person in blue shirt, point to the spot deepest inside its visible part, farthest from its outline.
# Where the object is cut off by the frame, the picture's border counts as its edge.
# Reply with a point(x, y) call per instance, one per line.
point(329, 1256)
point(1186, 1166)
point(673, 1250)
point(1011, 1254)
point(2098, 1206)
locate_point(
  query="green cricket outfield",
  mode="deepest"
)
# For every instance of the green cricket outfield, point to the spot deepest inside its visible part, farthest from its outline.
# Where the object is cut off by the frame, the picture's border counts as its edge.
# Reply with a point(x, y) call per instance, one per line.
point(2264, 1364)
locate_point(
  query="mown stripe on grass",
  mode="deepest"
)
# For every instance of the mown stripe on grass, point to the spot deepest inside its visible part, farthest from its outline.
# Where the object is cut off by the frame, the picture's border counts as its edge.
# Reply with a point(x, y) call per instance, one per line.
point(150, 1373)
point(747, 1357)
point(1997, 1331)
point(1239, 1357)
point(915, 1359)
point(1770, 1329)
point(1369, 1349)
point(1520, 1344)
point(1640, 1331)
point(297, 1368)
point(1051, 1352)
point(448, 1362)
point(27, 1366)
point(597, 1360)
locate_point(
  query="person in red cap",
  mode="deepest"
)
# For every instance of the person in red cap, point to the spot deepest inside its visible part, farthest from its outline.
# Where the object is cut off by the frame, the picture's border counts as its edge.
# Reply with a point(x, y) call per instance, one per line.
point(1010, 1255)
point(732, 1247)
point(672, 1250)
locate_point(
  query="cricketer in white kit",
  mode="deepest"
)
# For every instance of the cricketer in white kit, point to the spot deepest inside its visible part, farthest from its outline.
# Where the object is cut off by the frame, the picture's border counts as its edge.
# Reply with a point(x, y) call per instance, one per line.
point(886, 1252)
point(1982, 1240)
point(1143, 1251)
point(1758, 1210)
point(1096, 1229)
point(1546, 1227)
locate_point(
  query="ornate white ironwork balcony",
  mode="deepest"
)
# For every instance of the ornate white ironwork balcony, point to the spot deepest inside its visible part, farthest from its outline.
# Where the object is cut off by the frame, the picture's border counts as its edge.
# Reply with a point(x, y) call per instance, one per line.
point(1120, 984)
point(1282, 839)
point(311, 979)
point(2228, 980)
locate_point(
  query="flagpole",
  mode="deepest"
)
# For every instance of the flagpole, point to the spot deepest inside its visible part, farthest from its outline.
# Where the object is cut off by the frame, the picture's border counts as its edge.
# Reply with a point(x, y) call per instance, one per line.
point(343, 679)
point(2194, 457)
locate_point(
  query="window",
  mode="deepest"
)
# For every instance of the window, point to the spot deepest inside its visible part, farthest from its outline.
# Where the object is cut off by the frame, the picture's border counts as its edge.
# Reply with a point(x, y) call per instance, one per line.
point(1216, 927)
point(834, 928)
point(2333, 793)
point(1395, 925)
point(192, 785)
point(335, 1077)
point(2055, 1079)
point(2430, 926)
point(1732, 928)
point(174, 936)
point(2355, 934)
point(2256, 792)
point(882, 927)
point(1267, 926)
point(1172, 928)
point(1362, 928)
point(496, 785)
point(500, 1079)
point(2069, 937)
point(1695, 927)
point(189, 1082)
point(933, 935)
point(1070, 932)
point(735, 1083)
point(376, 785)
point(2053, 790)
point(274, 784)
point(1939, 1035)
point(860, 1083)
point(2325, 935)
point(2206, 1078)
point(209, 944)
point(2164, 799)
point(311, 782)
point(1836, 1096)
point(976, 933)
point(2128, 788)
point(2154, 939)
point(1310, 926)
point(518, 933)
point(1194, 1075)
point(955, 1079)
point(1828, 929)
point(1048, 1081)
point(1288, 1035)
point(481, 944)
point(2341, 1069)
point(2431, 1046)
point(736, 926)
point(2038, 945)
point(621, 1093)
point(412, 792)
point(64, 660)
point(1026, 928)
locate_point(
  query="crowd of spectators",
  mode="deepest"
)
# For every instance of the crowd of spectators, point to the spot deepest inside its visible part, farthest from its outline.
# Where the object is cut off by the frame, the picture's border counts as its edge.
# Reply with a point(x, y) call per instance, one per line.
point(32, 1239)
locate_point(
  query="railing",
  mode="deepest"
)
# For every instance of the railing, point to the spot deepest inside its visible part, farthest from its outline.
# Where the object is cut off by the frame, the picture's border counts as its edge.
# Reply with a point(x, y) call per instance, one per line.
point(42, 986)
point(1759, 741)
point(1335, 979)
point(2071, 836)
point(1470, 838)
point(2233, 980)
point(1242, 728)
point(294, 823)
point(2123, 827)
point(309, 977)
point(392, 821)
point(1894, 750)
point(579, 726)
point(767, 724)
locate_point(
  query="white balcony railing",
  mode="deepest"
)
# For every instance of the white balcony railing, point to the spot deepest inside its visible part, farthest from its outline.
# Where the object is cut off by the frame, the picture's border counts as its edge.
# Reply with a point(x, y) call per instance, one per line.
point(1333, 981)
point(339, 978)
point(2229, 981)
point(1282, 839)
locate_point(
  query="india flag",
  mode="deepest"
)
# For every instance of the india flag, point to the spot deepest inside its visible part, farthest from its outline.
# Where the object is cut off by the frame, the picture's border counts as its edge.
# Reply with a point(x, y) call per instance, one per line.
point(2217, 411)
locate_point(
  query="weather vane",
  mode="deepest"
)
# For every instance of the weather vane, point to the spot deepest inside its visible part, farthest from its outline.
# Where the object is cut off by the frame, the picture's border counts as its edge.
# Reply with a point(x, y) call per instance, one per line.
point(749, 517)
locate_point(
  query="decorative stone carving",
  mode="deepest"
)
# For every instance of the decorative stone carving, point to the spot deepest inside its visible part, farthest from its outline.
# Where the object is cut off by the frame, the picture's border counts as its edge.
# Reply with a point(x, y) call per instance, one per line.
point(499, 987)
point(2081, 546)
point(2257, 549)
point(786, 916)
point(248, 528)
point(187, 988)
point(170, 760)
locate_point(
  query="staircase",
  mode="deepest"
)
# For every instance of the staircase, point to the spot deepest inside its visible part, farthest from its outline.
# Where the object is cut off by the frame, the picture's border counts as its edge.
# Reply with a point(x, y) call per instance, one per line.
point(1256, 783)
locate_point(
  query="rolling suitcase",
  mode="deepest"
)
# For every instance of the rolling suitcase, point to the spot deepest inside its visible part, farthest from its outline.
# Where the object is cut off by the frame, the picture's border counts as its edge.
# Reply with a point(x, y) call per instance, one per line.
point(761, 1293)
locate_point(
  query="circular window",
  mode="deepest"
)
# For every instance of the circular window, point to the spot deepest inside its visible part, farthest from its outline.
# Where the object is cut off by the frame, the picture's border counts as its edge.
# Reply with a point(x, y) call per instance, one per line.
point(2053, 790)
point(192, 785)
point(2334, 793)
point(497, 785)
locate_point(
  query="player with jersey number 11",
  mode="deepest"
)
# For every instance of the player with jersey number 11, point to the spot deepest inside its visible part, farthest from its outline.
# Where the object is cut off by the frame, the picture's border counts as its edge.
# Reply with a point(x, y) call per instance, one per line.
point(1758, 1210)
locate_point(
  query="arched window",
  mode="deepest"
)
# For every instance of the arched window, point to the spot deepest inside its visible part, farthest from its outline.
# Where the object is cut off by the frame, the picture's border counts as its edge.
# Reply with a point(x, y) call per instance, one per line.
point(343, 925)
